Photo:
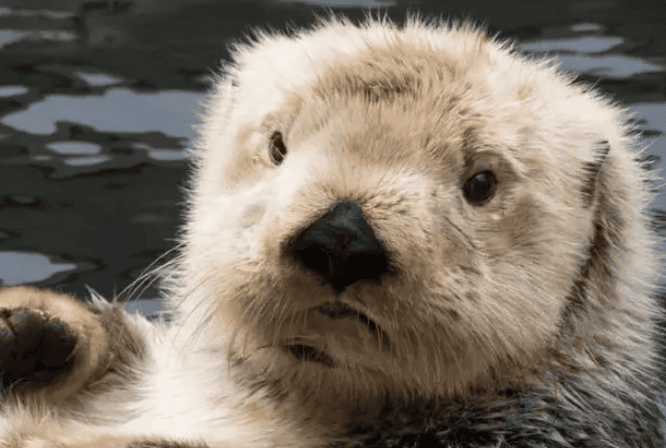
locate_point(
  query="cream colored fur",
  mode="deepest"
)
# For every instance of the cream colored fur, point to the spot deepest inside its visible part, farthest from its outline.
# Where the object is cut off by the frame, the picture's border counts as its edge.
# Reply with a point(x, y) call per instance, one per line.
point(478, 298)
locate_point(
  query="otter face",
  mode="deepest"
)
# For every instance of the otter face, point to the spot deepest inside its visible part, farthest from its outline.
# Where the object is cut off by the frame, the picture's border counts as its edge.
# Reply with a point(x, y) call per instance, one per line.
point(386, 218)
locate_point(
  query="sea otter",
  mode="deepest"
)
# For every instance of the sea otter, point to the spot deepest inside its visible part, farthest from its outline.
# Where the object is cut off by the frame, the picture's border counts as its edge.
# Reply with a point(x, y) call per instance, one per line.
point(395, 236)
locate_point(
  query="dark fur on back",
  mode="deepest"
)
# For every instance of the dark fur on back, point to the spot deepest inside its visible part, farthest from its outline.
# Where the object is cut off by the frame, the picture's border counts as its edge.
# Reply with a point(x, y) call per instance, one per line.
point(522, 419)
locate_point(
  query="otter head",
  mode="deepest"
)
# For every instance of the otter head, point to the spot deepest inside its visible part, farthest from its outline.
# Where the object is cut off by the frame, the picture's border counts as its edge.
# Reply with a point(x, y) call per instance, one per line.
point(378, 213)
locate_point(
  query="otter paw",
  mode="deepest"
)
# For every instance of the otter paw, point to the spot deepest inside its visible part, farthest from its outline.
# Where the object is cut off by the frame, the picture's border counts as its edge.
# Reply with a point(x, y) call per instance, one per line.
point(50, 343)
point(34, 346)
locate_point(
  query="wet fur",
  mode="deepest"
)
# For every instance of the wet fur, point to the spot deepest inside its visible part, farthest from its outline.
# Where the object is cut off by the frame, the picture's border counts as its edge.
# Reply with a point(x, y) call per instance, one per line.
point(529, 321)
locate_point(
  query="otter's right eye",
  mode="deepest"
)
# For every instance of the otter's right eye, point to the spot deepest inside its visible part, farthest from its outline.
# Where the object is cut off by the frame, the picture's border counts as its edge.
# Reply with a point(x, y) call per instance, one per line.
point(480, 188)
point(276, 148)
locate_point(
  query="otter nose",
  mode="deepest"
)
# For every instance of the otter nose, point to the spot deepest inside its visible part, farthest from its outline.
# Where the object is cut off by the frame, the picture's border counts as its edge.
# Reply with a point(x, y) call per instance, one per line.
point(341, 247)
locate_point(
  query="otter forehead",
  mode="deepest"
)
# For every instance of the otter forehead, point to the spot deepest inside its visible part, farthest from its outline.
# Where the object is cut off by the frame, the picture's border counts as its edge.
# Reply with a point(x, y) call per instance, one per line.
point(373, 77)
point(283, 63)
point(449, 93)
point(266, 71)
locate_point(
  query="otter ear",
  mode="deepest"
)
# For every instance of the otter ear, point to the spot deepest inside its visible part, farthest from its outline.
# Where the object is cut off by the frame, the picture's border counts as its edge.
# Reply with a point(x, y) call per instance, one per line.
point(592, 172)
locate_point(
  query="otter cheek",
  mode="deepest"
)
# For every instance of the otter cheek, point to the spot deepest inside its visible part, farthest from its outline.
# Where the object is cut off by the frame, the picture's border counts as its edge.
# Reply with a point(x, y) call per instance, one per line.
point(251, 215)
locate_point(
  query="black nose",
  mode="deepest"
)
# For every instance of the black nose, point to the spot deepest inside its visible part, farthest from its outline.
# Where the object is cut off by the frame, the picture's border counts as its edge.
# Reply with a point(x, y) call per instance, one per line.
point(341, 247)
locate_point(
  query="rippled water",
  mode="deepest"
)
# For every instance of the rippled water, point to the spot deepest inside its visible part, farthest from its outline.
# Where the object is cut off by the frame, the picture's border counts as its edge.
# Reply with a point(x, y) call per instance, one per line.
point(97, 100)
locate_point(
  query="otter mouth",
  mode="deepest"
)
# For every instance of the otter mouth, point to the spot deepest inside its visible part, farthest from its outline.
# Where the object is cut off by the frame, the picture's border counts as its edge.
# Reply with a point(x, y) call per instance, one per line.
point(339, 310)
point(335, 311)
point(304, 352)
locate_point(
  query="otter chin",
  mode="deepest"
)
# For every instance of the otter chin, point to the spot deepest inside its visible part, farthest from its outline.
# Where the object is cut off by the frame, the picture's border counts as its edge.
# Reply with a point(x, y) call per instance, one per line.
point(336, 331)
point(396, 236)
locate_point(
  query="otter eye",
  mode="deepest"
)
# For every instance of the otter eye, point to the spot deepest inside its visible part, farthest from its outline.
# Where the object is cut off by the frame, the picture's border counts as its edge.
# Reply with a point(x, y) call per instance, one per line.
point(276, 148)
point(480, 188)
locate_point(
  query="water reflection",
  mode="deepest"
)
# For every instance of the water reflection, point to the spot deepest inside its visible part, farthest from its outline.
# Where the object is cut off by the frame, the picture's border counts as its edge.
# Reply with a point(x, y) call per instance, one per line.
point(23, 267)
point(8, 37)
point(610, 66)
point(584, 44)
point(586, 26)
point(68, 148)
point(117, 110)
point(7, 91)
point(581, 53)
point(167, 154)
point(86, 161)
point(98, 79)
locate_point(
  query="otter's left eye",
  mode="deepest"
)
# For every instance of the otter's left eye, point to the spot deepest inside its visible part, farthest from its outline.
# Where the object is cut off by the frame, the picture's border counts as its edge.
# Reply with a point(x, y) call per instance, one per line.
point(277, 149)
point(480, 188)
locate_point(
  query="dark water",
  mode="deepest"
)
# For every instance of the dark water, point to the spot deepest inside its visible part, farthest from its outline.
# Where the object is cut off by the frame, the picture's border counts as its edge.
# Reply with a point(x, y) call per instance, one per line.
point(97, 100)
